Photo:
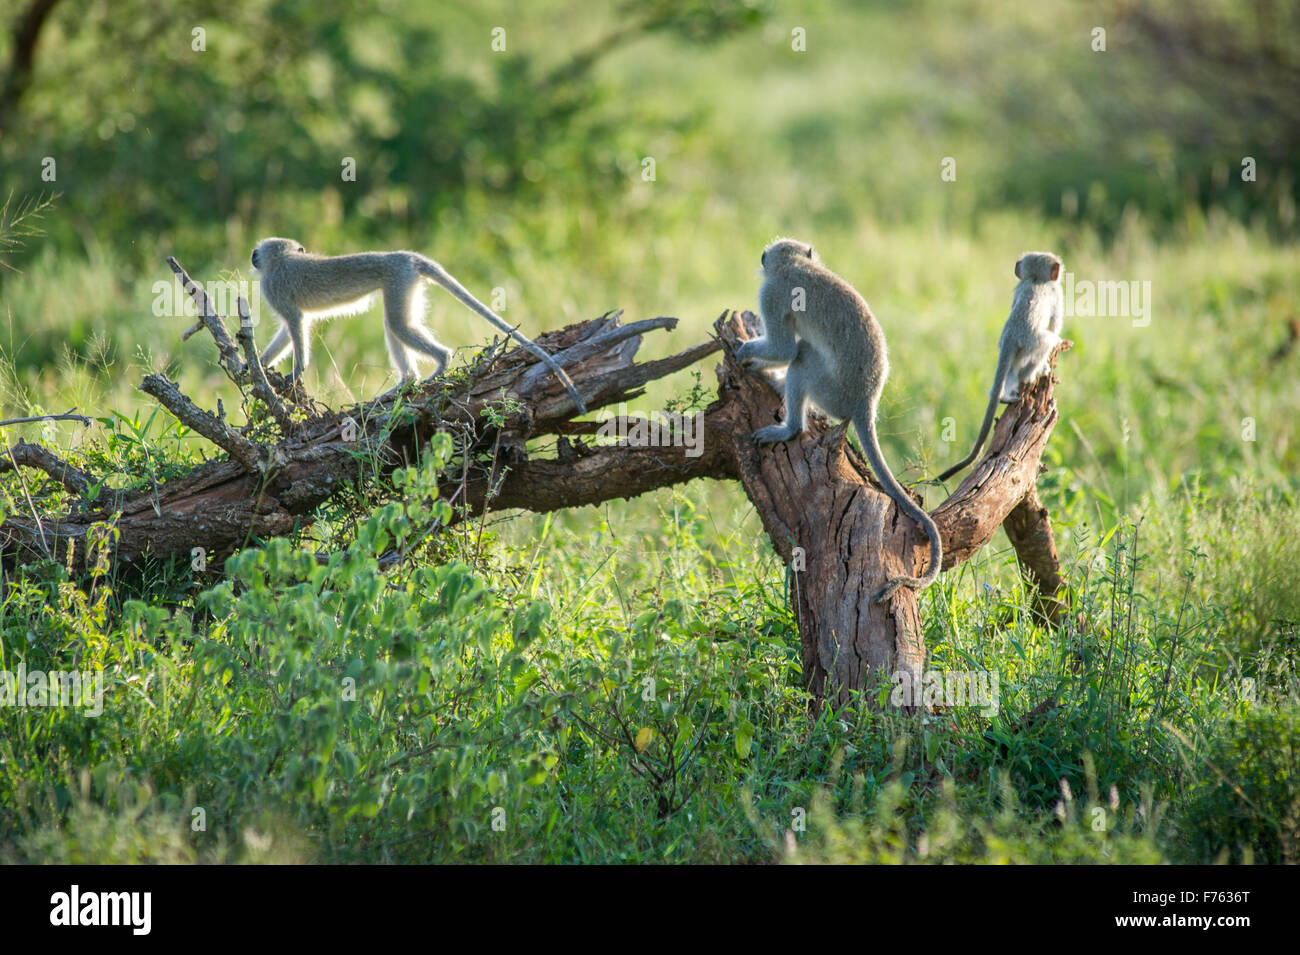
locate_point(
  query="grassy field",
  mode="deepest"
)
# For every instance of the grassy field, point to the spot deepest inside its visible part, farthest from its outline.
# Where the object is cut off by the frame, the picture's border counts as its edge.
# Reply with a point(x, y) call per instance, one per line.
point(501, 710)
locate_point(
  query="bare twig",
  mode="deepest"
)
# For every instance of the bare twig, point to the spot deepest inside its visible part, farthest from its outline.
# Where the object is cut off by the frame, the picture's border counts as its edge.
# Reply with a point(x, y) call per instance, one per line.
point(261, 387)
point(66, 416)
point(229, 354)
point(610, 334)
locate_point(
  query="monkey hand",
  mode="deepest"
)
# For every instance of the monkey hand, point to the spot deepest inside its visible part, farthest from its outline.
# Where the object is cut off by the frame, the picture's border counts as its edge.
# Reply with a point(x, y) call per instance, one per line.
point(745, 355)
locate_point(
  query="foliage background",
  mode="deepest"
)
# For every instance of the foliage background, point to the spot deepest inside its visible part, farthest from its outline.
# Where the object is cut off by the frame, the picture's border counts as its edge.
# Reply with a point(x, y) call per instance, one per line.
point(506, 668)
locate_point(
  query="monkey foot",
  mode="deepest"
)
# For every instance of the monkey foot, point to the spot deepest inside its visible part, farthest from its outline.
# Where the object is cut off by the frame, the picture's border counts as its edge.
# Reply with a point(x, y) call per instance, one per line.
point(773, 435)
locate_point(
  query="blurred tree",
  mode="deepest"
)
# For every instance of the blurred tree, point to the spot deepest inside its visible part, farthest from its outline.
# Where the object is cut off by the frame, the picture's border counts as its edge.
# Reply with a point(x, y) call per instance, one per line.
point(27, 30)
point(1242, 62)
point(153, 123)
point(1164, 118)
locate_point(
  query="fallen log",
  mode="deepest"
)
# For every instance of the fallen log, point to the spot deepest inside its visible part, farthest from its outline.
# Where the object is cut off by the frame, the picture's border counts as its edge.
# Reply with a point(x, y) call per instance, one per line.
point(825, 514)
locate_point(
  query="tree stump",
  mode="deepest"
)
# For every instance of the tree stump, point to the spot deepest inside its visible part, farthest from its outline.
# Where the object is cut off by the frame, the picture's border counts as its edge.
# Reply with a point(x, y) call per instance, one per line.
point(817, 494)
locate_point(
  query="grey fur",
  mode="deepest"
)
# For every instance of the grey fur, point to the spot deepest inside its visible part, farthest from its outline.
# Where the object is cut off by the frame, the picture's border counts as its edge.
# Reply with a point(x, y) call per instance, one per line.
point(1032, 330)
point(301, 287)
point(834, 350)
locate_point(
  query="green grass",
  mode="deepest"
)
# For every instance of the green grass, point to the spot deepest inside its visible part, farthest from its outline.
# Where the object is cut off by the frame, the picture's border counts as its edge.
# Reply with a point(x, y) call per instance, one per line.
point(622, 683)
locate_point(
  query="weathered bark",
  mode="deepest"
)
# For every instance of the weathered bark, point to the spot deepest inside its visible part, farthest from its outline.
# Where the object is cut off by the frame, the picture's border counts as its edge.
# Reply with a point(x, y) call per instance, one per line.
point(825, 513)
point(27, 455)
point(266, 491)
point(1030, 529)
point(817, 494)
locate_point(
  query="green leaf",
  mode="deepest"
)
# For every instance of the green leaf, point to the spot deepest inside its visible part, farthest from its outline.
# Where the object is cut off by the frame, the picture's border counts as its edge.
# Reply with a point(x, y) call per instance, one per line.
point(744, 738)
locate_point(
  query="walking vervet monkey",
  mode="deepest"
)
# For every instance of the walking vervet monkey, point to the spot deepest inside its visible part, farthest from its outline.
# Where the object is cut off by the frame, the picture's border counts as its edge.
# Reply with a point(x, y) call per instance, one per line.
point(817, 325)
point(302, 287)
point(1025, 349)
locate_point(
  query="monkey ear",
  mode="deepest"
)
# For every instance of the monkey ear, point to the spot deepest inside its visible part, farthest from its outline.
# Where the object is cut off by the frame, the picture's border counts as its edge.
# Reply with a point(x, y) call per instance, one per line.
point(810, 252)
point(1056, 271)
point(301, 249)
point(1018, 261)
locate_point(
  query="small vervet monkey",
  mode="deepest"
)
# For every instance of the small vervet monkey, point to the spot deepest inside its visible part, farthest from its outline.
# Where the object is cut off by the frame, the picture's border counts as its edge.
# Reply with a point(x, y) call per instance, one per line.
point(302, 287)
point(817, 325)
point(1025, 349)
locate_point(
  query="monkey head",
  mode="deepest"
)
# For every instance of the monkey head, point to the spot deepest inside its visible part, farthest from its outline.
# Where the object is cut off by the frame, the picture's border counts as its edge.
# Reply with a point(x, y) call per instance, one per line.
point(1038, 267)
point(270, 249)
point(786, 251)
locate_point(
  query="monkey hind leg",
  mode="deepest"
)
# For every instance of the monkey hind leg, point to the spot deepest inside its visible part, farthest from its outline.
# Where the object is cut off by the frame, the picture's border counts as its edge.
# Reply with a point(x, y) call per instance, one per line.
point(398, 355)
point(1010, 393)
point(1016, 385)
point(1044, 368)
point(1017, 376)
point(797, 377)
point(418, 340)
point(403, 311)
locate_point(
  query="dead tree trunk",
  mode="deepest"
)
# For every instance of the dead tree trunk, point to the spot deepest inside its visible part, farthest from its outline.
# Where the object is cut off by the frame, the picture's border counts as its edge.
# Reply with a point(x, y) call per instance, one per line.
point(818, 495)
point(825, 514)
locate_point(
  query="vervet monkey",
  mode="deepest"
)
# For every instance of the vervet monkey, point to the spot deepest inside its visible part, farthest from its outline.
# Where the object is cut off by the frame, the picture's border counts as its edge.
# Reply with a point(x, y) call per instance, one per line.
point(1025, 349)
point(302, 287)
point(817, 325)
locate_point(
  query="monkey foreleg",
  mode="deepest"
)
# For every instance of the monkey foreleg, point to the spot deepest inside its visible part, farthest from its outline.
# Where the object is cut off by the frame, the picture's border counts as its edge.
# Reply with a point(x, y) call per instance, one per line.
point(279, 347)
point(767, 351)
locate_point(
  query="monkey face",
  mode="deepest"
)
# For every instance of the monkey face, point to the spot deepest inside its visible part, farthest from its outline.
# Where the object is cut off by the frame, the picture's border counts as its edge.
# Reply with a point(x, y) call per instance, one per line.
point(269, 249)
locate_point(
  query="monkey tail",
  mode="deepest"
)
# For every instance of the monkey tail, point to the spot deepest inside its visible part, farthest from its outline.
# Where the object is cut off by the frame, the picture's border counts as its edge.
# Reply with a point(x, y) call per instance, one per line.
point(999, 376)
point(432, 270)
point(866, 427)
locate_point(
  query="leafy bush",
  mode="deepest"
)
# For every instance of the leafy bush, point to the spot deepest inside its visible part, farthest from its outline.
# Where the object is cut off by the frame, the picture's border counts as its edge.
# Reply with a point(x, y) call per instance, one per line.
point(1246, 805)
point(1077, 832)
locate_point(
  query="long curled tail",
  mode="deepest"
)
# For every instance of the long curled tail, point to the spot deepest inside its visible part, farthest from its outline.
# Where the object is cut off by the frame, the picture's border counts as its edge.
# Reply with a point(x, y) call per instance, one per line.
point(999, 376)
point(432, 270)
point(866, 427)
